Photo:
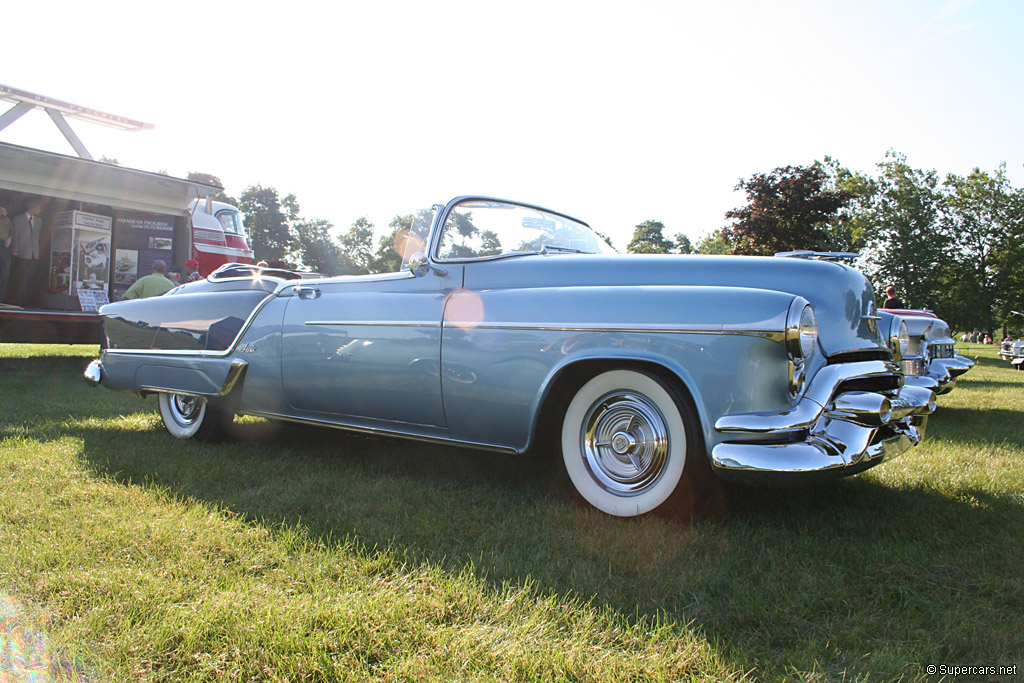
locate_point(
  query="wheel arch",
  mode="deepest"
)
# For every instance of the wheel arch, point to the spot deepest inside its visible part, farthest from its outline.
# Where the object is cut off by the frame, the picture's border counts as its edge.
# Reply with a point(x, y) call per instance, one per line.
point(567, 378)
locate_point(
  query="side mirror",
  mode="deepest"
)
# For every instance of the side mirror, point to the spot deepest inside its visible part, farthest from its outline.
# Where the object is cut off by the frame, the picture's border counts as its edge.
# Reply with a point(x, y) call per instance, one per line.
point(419, 266)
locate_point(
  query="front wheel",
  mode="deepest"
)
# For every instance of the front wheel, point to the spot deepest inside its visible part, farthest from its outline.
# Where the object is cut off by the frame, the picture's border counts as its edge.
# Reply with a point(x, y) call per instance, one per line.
point(631, 444)
point(187, 416)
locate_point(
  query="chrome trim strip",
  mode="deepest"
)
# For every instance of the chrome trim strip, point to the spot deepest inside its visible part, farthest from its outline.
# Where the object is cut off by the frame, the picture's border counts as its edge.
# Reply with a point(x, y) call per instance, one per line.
point(372, 323)
point(632, 328)
point(235, 373)
point(376, 431)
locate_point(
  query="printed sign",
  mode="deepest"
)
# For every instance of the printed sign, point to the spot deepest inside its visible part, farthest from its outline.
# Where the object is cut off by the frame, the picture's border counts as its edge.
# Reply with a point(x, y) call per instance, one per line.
point(92, 299)
point(139, 239)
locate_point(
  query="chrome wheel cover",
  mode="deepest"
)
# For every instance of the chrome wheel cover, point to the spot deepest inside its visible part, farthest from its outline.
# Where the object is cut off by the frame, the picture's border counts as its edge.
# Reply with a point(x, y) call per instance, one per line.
point(186, 410)
point(625, 443)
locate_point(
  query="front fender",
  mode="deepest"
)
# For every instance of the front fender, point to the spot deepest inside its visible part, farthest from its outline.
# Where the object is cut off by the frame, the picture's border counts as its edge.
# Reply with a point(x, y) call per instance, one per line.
point(724, 345)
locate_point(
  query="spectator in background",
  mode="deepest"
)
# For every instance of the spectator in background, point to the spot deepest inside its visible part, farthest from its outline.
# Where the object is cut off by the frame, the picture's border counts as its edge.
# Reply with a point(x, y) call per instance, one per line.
point(192, 271)
point(6, 237)
point(154, 284)
point(892, 301)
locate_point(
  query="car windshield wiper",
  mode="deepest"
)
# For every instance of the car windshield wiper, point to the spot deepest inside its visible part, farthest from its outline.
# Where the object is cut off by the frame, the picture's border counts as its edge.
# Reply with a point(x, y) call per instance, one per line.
point(552, 249)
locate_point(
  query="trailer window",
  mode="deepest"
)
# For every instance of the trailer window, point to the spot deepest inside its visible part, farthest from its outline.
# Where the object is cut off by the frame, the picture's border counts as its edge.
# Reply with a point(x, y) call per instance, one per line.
point(230, 221)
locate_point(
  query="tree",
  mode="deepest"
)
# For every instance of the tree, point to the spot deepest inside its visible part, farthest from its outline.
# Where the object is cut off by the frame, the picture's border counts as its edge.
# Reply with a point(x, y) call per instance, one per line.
point(269, 221)
point(906, 245)
point(788, 209)
point(983, 218)
point(683, 244)
point(649, 238)
point(714, 243)
point(356, 248)
point(210, 179)
point(391, 248)
point(315, 247)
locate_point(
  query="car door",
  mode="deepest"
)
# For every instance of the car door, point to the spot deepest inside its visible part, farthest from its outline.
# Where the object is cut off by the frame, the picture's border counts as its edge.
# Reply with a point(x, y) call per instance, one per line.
point(367, 347)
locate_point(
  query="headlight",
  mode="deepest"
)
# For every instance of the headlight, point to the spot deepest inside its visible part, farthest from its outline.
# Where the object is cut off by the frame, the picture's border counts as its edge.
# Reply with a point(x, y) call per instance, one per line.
point(801, 329)
point(899, 338)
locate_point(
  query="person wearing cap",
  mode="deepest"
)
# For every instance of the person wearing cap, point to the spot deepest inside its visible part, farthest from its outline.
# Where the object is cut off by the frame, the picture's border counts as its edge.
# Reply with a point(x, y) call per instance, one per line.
point(192, 270)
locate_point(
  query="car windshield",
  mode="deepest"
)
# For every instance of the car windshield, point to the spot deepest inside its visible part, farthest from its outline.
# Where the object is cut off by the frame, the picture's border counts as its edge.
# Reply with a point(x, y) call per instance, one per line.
point(487, 229)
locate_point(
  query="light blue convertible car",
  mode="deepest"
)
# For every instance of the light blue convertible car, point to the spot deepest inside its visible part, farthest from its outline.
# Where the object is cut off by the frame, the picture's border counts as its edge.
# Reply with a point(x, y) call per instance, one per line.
point(515, 328)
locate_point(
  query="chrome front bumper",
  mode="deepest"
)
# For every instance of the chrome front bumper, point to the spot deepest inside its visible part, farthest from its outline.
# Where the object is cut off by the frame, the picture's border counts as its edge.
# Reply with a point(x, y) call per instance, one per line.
point(938, 374)
point(829, 433)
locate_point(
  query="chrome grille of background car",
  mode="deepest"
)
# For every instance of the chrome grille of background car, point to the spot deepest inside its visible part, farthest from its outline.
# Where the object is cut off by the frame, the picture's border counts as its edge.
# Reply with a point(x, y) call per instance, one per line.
point(941, 351)
point(912, 366)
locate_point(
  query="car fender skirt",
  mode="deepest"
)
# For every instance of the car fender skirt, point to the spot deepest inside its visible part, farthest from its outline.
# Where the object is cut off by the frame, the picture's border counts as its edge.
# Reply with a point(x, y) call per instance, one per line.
point(146, 374)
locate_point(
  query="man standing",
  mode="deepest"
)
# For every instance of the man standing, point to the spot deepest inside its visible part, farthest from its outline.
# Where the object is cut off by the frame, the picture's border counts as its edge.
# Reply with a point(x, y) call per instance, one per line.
point(892, 301)
point(154, 284)
point(6, 237)
point(27, 227)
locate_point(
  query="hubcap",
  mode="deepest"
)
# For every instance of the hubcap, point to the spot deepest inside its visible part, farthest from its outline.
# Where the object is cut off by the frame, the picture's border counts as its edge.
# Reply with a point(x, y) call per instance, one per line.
point(625, 443)
point(186, 409)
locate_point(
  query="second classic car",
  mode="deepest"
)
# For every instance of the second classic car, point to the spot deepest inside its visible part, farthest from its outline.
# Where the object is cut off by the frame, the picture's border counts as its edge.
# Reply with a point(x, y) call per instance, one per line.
point(515, 328)
point(1013, 351)
point(931, 359)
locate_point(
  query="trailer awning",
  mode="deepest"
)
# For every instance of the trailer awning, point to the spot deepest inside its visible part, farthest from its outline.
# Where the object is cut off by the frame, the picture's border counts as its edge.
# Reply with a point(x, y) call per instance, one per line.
point(48, 174)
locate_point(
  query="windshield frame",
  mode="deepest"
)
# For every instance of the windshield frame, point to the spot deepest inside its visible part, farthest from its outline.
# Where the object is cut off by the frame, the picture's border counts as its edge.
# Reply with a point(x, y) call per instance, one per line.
point(441, 219)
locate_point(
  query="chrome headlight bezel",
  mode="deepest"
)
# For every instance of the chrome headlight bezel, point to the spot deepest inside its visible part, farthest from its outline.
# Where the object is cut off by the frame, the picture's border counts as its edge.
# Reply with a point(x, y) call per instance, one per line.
point(898, 337)
point(801, 330)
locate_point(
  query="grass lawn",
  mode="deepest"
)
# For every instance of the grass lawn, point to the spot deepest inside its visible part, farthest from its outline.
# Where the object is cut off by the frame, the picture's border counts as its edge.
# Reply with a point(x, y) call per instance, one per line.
point(294, 553)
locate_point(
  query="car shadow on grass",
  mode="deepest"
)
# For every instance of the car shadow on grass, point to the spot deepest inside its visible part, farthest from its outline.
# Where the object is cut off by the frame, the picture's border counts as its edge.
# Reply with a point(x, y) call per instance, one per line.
point(826, 574)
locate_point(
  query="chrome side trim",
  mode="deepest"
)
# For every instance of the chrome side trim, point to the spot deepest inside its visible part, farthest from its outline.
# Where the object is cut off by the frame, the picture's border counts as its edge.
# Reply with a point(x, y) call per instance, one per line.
point(630, 328)
point(377, 431)
point(235, 373)
point(373, 323)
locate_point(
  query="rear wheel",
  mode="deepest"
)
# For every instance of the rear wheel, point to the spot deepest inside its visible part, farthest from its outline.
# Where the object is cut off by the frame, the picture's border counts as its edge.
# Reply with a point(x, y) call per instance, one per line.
point(631, 444)
point(187, 416)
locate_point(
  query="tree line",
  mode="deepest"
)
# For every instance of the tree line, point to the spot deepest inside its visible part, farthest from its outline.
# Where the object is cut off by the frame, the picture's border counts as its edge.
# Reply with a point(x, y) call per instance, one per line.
point(953, 244)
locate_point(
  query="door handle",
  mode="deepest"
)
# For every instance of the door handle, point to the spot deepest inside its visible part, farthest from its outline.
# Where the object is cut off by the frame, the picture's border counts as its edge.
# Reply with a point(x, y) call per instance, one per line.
point(307, 293)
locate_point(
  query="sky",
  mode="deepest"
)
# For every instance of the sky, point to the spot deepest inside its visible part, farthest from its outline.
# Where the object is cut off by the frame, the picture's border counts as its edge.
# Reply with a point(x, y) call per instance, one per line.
point(612, 112)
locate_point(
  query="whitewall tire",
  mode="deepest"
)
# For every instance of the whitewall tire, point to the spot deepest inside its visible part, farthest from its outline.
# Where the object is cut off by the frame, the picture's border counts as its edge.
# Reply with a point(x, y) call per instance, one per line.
point(631, 444)
point(186, 416)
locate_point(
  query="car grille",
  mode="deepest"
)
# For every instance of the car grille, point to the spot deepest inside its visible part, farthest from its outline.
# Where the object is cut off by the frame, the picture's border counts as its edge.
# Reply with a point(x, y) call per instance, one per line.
point(912, 366)
point(941, 351)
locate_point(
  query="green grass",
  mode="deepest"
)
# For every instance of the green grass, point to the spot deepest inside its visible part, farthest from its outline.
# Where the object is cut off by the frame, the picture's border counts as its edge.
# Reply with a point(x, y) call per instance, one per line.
point(304, 554)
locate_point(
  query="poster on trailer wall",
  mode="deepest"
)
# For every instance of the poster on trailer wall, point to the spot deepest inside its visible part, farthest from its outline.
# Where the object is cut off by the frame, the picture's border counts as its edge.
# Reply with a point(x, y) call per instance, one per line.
point(139, 239)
